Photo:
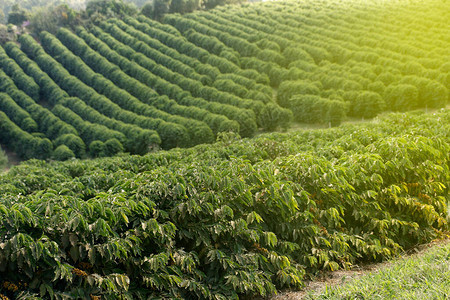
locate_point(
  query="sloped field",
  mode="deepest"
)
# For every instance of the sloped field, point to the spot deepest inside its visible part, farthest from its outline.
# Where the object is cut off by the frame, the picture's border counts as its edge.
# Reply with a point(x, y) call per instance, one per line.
point(136, 84)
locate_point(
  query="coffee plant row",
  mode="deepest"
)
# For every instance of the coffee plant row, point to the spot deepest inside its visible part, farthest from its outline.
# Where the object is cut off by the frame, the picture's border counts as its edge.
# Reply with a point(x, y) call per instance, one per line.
point(135, 84)
point(232, 219)
point(369, 55)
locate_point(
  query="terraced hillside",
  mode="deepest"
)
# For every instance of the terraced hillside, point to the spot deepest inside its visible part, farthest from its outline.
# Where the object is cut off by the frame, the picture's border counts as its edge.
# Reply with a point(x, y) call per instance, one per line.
point(136, 84)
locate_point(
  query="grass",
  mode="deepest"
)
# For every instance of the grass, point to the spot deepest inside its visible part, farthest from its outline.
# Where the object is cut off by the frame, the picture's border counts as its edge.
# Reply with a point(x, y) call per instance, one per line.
point(425, 276)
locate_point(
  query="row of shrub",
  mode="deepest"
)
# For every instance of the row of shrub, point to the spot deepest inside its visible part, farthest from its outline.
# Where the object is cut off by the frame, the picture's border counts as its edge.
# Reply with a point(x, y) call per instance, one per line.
point(232, 220)
point(180, 83)
point(198, 131)
point(183, 46)
point(360, 68)
point(171, 134)
point(245, 117)
point(224, 63)
point(22, 80)
point(66, 139)
point(98, 62)
point(40, 119)
point(22, 142)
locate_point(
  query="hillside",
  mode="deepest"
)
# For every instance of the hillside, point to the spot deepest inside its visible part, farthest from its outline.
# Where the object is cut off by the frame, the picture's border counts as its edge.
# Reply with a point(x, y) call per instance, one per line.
point(233, 219)
point(136, 85)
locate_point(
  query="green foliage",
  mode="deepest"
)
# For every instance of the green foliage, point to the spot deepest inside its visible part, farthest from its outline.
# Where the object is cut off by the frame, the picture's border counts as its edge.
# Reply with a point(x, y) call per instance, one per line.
point(182, 81)
point(97, 149)
point(401, 97)
point(104, 9)
point(52, 18)
point(288, 89)
point(6, 34)
point(315, 109)
point(3, 159)
point(2, 17)
point(160, 8)
point(73, 142)
point(112, 147)
point(18, 15)
point(63, 152)
point(22, 142)
point(367, 105)
point(238, 218)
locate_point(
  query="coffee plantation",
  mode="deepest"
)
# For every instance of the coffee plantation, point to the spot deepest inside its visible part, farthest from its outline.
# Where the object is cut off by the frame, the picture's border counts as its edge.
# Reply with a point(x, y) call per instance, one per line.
point(235, 218)
point(184, 80)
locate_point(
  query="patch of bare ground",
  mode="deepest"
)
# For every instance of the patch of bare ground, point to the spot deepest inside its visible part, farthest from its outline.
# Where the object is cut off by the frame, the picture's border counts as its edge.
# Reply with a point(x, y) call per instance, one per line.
point(330, 279)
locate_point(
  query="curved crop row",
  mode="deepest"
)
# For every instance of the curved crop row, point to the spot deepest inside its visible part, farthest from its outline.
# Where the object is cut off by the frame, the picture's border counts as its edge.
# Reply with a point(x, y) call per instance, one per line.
point(23, 143)
point(53, 127)
point(138, 140)
point(144, 93)
point(198, 131)
point(17, 114)
point(244, 117)
point(50, 91)
point(183, 46)
point(196, 88)
point(172, 135)
point(89, 132)
point(156, 46)
point(23, 81)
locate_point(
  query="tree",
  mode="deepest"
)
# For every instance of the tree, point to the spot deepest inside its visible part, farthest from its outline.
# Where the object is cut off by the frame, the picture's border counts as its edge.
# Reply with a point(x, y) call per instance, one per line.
point(112, 147)
point(401, 97)
point(6, 34)
point(147, 10)
point(105, 9)
point(73, 142)
point(50, 19)
point(160, 8)
point(185, 6)
point(2, 17)
point(18, 15)
point(97, 149)
point(368, 104)
point(336, 112)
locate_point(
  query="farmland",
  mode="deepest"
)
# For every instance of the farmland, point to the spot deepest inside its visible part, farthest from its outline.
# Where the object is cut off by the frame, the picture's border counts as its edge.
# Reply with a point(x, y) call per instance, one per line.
point(134, 84)
point(163, 159)
point(235, 218)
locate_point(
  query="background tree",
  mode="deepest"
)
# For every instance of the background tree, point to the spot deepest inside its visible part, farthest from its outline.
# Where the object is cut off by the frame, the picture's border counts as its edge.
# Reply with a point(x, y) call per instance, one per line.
point(18, 15)
point(160, 8)
point(2, 16)
point(185, 6)
point(51, 18)
point(147, 10)
point(105, 9)
point(6, 34)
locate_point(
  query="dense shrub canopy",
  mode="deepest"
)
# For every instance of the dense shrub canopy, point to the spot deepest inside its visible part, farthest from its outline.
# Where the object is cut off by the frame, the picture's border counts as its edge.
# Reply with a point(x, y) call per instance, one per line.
point(185, 79)
point(237, 218)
